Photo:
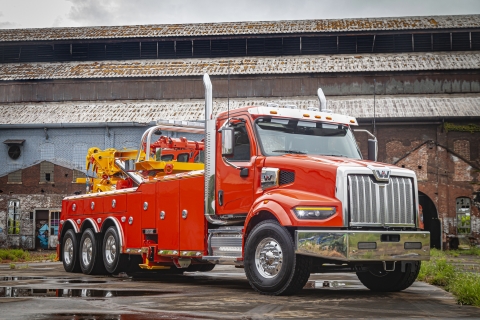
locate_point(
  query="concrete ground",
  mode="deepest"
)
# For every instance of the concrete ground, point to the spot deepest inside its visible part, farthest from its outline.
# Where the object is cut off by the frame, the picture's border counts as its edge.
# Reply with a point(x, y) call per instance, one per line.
point(46, 291)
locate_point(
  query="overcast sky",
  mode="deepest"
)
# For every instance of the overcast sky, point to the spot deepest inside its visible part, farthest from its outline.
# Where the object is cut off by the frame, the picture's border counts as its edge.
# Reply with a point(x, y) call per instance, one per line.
point(74, 13)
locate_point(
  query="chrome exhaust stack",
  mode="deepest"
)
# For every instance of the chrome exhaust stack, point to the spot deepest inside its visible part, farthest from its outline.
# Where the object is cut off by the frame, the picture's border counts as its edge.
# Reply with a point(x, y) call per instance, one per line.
point(210, 153)
point(323, 101)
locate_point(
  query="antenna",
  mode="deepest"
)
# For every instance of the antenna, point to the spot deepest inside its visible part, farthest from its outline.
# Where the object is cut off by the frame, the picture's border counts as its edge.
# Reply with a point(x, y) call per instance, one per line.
point(228, 91)
point(374, 91)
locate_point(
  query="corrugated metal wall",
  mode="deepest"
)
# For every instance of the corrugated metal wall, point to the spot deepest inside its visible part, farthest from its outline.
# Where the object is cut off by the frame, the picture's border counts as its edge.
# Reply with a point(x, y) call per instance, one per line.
point(240, 86)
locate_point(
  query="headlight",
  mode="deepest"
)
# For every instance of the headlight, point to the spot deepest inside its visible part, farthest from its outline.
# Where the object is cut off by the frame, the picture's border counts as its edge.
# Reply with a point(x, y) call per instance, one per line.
point(319, 213)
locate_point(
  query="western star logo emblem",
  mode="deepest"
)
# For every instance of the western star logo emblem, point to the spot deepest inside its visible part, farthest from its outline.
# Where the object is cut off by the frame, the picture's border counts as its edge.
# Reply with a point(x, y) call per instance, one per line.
point(380, 174)
point(267, 177)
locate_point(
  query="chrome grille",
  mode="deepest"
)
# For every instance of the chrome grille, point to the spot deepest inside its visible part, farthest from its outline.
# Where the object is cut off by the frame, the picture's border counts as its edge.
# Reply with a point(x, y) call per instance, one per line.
point(378, 204)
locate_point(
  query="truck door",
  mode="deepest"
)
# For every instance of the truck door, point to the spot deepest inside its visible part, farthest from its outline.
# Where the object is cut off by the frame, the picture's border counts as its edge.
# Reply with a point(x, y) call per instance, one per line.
point(235, 175)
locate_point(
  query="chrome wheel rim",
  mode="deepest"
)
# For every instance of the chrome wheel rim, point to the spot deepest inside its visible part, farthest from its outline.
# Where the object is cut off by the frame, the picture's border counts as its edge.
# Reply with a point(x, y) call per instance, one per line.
point(110, 249)
point(269, 258)
point(87, 251)
point(68, 251)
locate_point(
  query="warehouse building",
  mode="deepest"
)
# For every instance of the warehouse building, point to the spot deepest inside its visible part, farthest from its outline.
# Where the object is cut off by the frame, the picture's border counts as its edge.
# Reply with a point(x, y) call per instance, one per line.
point(413, 81)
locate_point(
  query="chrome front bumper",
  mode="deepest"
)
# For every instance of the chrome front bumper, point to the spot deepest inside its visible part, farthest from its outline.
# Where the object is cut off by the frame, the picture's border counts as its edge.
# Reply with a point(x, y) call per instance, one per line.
point(346, 245)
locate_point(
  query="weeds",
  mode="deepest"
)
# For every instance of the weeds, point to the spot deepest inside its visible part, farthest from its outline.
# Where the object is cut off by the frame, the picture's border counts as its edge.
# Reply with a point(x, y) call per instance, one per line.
point(19, 255)
point(465, 286)
point(14, 254)
point(437, 271)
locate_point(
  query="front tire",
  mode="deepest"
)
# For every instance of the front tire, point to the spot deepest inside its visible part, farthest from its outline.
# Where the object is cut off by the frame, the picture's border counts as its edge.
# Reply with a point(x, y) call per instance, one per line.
point(90, 259)
point(70, 252)
point(271, 265)
point(390, 281)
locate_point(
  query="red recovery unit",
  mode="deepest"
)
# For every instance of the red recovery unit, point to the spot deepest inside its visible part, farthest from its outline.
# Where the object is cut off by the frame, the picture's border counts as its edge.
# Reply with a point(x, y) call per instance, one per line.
point(279, 191)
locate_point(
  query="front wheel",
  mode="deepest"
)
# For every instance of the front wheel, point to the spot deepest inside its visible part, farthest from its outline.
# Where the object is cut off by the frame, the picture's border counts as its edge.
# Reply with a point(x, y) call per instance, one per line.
point(271, 265)
point(390, 281)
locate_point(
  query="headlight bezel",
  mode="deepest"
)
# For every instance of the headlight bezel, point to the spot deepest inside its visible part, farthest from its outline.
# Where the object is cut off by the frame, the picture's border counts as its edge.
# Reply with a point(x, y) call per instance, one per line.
point(314, 212)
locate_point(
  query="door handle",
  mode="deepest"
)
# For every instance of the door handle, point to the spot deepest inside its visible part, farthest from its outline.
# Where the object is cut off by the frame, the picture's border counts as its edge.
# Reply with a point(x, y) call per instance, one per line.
point(243, 172)
point(220, 198)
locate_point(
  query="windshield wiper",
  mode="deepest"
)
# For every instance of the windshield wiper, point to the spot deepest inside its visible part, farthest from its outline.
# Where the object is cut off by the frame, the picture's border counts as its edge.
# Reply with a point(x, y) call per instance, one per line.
point(335, 155)
point(290, 151)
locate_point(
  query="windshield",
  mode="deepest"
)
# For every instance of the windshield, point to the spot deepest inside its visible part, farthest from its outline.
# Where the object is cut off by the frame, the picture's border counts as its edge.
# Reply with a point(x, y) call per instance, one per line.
point(283, 136)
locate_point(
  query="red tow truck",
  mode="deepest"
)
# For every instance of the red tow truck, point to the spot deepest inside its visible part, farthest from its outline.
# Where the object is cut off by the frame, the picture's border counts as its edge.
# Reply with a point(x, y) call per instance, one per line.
point(280, 191)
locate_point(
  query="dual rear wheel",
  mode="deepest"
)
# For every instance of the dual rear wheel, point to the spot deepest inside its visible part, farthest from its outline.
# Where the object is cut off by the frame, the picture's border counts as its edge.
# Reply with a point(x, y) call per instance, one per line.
point(93, 253)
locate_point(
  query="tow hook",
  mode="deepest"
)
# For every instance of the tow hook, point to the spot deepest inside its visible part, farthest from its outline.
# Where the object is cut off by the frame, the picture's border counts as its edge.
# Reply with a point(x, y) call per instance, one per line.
point(392, 267)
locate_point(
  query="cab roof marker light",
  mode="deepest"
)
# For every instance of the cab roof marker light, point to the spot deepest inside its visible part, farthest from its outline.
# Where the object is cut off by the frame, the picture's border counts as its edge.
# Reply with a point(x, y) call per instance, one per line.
point(329, 118)
point(298, 114)
point(306, 115)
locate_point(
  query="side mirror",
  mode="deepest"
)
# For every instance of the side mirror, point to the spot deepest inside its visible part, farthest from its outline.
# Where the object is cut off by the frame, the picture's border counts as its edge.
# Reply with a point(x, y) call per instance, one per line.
point(372, 149)
point(228, 137)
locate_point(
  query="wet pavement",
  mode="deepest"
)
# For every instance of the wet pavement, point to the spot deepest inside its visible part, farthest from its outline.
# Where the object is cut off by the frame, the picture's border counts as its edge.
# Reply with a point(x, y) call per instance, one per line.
point(46, 291)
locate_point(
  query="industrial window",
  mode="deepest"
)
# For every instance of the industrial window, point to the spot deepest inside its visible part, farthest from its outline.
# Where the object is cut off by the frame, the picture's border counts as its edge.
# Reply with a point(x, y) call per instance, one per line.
point(13, 216)
point(463, 216)
point(46, 172)
point(238, 47)
point(54, 222)
point(15, 177)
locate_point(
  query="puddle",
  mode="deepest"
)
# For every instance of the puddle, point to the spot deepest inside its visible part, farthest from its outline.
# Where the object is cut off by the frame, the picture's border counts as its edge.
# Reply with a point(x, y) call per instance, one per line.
point(17, 292)
point(330, 284)
point(82, 281)
point(131, 316)
point(21, 278)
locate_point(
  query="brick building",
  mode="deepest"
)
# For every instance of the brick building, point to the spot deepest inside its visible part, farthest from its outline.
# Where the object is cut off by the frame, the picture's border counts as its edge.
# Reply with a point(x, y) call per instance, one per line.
point(414, 81)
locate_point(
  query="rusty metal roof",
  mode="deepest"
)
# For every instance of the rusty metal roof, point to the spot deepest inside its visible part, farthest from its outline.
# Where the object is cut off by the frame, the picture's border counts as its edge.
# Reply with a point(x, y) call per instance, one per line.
point(411, 106)
point(250, 65)
point(243, 28)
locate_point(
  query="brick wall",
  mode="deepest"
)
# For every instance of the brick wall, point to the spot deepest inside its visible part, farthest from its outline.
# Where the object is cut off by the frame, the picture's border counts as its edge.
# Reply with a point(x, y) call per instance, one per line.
point(447, 165)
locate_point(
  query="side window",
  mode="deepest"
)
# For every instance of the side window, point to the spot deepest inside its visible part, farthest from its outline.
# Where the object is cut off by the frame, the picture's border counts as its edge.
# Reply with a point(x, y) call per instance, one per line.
point(167, 157)
point(14, 217)
point(463, 216)
point(182, 157)
point(241, 149)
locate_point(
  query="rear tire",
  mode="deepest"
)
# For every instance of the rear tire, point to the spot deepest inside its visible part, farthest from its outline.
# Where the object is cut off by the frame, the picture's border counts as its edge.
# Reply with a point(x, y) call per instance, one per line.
point(113, 260)
point(271, 265)
point(90, 258)
point(390, 281)
point(70, 252)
